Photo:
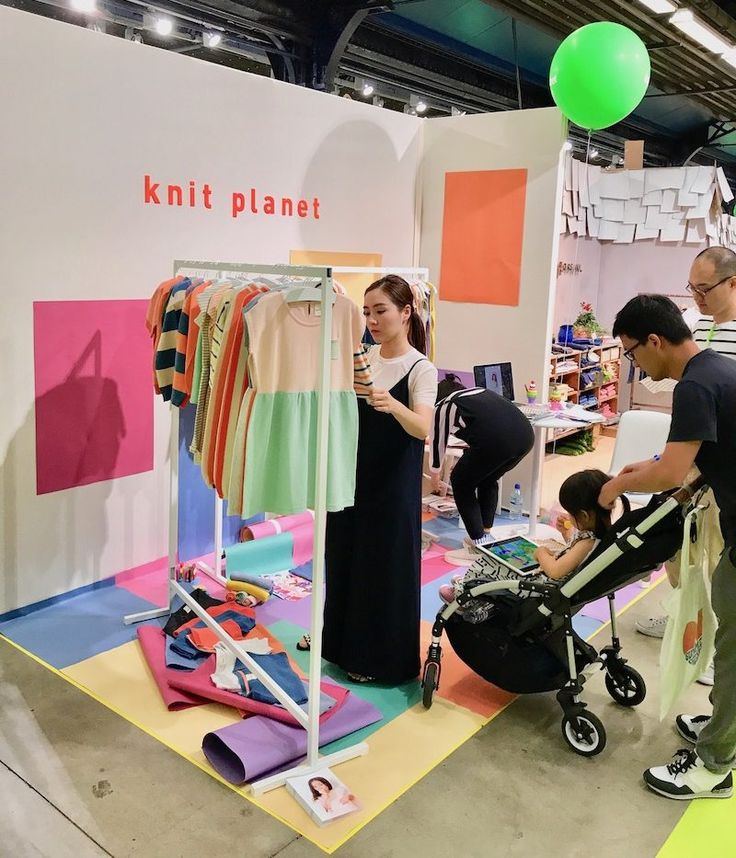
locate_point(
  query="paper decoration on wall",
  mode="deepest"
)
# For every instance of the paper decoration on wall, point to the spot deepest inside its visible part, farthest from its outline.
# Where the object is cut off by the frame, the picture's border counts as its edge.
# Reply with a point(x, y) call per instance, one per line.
point(672, 204)
point(483, 234)
point(93, 403)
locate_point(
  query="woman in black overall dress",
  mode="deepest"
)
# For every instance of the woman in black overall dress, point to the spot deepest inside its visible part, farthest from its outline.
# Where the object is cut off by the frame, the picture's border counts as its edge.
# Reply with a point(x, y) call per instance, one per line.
point(373, 556)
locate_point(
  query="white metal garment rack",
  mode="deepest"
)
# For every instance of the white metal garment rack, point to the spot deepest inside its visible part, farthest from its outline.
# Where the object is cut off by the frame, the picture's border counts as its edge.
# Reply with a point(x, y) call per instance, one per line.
point(309, 720)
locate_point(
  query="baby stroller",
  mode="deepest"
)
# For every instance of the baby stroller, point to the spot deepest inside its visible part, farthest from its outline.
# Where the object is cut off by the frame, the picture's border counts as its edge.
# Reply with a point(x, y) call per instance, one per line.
point(528, 645)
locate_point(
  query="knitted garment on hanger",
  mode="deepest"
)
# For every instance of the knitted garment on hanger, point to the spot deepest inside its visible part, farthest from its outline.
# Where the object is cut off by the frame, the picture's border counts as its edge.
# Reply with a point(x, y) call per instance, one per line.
point(281, 441)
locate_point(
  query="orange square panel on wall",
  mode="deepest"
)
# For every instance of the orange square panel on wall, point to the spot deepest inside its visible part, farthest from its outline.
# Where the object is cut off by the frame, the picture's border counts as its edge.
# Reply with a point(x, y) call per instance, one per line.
point(482, 236)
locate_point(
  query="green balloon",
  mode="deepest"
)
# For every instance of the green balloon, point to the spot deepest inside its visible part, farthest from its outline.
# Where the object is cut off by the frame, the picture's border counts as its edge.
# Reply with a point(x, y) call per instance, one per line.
point(599, 74)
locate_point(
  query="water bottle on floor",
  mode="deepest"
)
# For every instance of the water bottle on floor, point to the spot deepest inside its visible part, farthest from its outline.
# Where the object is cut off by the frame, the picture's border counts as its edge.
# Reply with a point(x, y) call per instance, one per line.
point(516, 504)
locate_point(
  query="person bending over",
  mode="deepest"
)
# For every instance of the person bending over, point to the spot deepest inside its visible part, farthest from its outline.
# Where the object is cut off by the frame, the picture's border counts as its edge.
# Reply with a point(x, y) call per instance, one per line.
point(498, 436)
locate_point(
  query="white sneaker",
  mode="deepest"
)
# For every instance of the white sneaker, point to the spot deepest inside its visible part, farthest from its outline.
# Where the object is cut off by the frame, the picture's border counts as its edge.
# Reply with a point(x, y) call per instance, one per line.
point(706, 678)
point(654, 627)
point(691, 726)
point(686, 777)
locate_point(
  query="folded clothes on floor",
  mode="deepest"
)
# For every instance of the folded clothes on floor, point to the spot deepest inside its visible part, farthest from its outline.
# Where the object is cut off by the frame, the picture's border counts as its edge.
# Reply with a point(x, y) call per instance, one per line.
point(180, 653)
point(205, 640)
point(240, 614)
point(184, 614)
point(197, 682)
point(233, 675)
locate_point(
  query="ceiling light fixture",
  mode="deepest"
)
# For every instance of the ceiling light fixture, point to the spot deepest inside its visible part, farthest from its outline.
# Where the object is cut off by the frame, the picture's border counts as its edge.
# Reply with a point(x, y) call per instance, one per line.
point(659, 6)
point(211, 40)
point(132, 35)
point(730, 57)
point(421, 106)
point(86, 6)
point(368, 90)
point(164, 26)
point(594, 153)
point(567, 146)
point(685, 21)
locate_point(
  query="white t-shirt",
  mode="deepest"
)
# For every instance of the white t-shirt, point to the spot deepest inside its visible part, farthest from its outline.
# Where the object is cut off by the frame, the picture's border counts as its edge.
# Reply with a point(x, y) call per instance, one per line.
point(386, 372)
point(722, 340)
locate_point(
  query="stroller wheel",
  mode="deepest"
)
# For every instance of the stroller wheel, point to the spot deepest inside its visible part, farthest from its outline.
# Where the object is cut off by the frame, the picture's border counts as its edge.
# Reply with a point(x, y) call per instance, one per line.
point(626, 686)
point(430, 682)
point(584, 733)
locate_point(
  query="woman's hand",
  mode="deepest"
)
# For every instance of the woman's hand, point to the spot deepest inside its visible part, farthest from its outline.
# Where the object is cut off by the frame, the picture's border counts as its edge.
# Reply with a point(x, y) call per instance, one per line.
point(382, 400)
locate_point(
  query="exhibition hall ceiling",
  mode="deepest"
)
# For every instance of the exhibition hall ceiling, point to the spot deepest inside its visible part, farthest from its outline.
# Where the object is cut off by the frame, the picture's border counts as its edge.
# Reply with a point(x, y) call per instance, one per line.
point(444, 55)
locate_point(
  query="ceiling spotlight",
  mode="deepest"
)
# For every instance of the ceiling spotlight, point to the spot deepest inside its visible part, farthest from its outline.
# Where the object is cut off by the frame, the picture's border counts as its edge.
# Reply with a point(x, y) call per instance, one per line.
point(211, 40)
point(378, 101)
point(567, 146)
point(421, 106)
point(164, 26)
point(456, 111)
point(594, 153)
point(86, 6)
point(368, 90)
point(132, 35)
point(730, 57)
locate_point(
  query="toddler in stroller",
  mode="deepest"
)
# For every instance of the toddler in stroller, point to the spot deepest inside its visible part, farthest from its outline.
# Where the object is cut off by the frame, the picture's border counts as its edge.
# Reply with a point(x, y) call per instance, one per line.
point(528, 645)
point(579, 497)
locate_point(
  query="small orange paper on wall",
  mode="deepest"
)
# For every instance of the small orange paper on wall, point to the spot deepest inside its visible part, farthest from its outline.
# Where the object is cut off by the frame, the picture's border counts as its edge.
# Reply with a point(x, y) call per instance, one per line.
point(482, 237)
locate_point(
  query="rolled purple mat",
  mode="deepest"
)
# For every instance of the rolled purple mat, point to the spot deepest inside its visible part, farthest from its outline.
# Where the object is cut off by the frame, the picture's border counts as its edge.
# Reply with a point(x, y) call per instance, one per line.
point(260, 746)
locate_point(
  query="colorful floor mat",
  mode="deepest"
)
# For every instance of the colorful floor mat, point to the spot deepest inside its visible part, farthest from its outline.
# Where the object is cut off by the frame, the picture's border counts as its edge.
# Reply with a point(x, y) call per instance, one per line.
point(84, 640)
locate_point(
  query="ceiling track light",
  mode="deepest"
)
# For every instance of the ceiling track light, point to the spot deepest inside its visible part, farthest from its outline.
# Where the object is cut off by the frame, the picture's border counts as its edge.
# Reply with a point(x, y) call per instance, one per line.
point(687, 23)
point(660, 7)
point(211, 39)
point(85, 6)
point(421, 106)
point(594, 153)
point(163, 26)
point(368, 90)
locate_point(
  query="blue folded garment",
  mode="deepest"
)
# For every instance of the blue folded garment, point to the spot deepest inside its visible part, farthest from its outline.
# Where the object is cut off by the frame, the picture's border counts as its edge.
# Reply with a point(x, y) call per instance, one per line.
point(180, 654)
point(277, 666)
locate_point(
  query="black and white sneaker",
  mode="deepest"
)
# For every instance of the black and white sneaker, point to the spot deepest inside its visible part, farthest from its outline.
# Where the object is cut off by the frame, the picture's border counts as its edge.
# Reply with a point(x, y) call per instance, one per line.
point(691, 726)
point(686, 777)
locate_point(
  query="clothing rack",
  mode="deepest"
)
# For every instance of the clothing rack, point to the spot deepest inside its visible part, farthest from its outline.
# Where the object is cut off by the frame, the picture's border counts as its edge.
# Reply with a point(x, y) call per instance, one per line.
point(310, 720)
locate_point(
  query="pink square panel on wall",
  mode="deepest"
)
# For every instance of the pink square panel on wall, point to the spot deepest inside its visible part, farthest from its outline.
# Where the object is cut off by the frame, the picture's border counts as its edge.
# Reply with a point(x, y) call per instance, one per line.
point(94, 408)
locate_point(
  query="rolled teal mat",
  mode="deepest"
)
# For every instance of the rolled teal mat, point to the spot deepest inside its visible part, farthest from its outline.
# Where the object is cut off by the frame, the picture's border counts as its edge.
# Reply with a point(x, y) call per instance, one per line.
point(260, 556)
point(255, 580)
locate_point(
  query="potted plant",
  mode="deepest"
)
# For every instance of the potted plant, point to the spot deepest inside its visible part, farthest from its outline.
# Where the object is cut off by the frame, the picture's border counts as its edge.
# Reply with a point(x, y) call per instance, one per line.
point(586, 326)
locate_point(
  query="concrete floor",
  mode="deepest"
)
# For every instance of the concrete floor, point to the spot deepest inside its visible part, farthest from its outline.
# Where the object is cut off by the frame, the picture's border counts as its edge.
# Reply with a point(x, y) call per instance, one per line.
point(77, 780)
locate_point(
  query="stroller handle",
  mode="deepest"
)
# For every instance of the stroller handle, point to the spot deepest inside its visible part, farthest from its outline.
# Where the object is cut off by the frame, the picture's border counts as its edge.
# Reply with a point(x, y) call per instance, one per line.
point(687, 492)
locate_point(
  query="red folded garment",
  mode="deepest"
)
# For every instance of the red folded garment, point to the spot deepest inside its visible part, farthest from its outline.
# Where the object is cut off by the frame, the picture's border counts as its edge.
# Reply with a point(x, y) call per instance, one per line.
point(205, 639)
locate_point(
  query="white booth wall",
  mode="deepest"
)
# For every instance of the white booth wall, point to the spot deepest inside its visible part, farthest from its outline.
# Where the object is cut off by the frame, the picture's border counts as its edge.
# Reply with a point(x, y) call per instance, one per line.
point(88, 125)
point(82, 129)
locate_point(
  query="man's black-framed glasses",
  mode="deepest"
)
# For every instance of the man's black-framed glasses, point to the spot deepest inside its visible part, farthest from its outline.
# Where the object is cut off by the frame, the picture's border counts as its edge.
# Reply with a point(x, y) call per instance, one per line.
point(629, 353)
point(697, 290)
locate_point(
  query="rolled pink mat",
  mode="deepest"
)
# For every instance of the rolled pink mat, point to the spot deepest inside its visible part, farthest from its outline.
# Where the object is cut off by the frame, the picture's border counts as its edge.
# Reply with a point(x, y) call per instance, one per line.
point(153, 643)
point(198, 683)
point(281, 524)
point(260, 746)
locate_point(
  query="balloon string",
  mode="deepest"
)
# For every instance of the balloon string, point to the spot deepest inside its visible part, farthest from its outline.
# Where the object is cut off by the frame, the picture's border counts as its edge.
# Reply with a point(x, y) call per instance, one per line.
point(579, 238)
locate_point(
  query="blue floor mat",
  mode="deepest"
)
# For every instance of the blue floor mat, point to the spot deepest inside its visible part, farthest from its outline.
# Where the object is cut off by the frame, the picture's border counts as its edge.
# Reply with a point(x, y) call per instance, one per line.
point(76, 629)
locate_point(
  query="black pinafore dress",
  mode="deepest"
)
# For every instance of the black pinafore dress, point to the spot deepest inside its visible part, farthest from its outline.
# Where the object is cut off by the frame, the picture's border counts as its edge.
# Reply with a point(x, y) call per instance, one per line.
point(373, 553)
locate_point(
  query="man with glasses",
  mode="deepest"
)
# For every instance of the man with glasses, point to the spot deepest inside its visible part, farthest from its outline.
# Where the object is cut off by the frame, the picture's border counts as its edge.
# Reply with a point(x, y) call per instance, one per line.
point(655, 336)
point(712, 284)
